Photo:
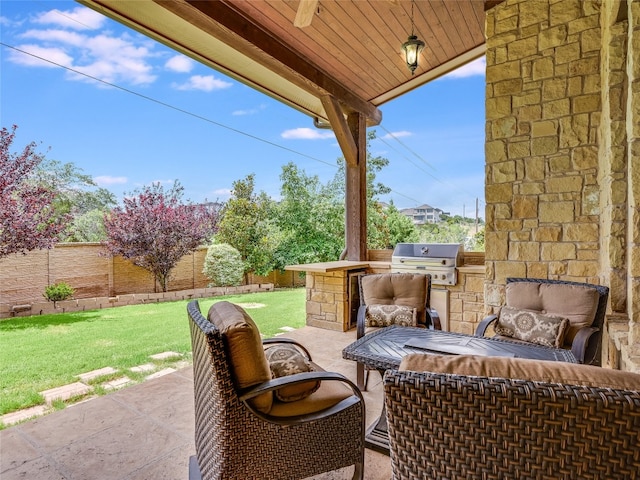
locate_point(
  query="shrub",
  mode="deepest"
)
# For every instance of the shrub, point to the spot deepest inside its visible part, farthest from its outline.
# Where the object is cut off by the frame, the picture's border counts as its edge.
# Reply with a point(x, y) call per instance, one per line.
point(58, 291)
point(223, 265)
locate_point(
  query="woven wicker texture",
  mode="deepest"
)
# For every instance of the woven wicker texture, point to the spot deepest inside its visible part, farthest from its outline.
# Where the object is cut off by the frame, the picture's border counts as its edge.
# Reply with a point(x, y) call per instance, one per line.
point(232, 442)
point(463, 428)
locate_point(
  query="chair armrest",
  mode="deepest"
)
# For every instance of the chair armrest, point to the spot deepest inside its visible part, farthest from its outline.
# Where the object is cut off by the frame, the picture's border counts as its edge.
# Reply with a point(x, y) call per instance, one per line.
point(288, 341)
point(581, 343)
point(484, 324)
point(277, 383)
point(360, 321)
point(435, 319)
point(296, 378)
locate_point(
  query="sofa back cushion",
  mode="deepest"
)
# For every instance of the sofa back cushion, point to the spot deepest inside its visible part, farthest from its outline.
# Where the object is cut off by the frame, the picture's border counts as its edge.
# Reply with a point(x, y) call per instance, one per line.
point(406, 289)
point(522, 369)
point(576, 302)
point(244, 345)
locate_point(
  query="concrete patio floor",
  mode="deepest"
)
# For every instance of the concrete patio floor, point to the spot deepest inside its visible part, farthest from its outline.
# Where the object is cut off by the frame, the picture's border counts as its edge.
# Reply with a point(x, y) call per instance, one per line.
point(145, 432)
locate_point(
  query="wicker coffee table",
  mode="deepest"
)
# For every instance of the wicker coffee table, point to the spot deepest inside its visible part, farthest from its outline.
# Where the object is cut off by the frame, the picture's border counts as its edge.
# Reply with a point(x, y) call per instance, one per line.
point(385, 348)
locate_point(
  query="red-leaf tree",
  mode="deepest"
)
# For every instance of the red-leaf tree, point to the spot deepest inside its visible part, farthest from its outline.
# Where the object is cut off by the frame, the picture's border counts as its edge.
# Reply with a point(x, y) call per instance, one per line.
point(154, 229)
point(28, 219)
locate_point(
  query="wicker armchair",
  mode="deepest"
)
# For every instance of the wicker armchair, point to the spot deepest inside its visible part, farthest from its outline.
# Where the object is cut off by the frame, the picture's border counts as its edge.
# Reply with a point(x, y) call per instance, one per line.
point(565, 299)
point(485, 424)
point(405, 290)
point(235, 440)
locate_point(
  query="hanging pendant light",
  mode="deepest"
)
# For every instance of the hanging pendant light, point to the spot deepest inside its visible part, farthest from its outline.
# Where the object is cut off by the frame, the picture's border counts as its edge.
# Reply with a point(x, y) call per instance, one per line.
point(412, 47)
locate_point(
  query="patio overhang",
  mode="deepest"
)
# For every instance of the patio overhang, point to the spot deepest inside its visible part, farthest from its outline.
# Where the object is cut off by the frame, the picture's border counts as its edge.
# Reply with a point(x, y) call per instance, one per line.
point(338, 66)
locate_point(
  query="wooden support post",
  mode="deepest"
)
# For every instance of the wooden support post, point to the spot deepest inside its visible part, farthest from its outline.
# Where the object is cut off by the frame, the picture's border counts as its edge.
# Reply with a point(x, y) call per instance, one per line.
point(356, 192)
point(352, 138)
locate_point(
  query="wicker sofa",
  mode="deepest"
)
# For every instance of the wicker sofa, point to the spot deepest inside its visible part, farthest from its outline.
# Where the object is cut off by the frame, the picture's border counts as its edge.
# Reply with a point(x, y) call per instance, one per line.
point(468, 417)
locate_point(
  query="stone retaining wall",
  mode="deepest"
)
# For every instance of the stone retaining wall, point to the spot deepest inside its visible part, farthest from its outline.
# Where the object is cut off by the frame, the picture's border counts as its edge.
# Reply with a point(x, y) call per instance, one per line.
point(23, 278)
point(82, 304)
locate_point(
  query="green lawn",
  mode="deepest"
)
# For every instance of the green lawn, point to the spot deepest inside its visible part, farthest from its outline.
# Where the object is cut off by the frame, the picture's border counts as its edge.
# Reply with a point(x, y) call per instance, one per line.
point(42, 352)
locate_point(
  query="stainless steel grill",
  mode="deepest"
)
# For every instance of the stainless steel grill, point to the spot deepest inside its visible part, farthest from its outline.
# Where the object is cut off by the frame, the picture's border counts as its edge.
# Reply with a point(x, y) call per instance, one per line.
point(438, 259)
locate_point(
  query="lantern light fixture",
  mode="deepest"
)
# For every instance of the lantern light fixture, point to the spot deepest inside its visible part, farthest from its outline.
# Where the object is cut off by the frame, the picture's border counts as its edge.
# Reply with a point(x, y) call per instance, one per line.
point(412, 47)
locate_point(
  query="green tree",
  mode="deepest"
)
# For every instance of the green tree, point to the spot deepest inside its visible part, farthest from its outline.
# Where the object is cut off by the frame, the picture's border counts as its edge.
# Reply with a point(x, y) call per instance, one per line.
point(476, 243)
point(76, 194)
point(310, 219)
point(87, 227)
point(401, 227)
point(245, 225)
point(442, 233)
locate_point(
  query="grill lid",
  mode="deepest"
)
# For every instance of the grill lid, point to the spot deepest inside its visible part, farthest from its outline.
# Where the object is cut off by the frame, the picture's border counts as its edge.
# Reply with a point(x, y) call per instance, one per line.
point(429, 250)
point(445, 254)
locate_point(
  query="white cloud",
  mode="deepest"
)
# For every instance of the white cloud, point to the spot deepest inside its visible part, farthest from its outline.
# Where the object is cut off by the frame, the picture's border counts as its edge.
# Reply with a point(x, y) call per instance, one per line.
point(206, 83)
point(179, 63)
point(106, 180)
point(80, 18)
point(55, 55)
point(251, 111)
point(225, 192)
point(392, 135)
point(306, 134)
point(124, 59)
point(109, 58)
point(57, 36)
point(477, 67)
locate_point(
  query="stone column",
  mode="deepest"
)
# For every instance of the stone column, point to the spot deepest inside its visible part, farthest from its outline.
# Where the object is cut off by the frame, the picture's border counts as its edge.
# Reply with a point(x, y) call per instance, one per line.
point(543, 108)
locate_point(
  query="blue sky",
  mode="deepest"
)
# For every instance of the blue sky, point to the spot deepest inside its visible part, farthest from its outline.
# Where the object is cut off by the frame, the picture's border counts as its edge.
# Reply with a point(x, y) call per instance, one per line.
point(173, 118)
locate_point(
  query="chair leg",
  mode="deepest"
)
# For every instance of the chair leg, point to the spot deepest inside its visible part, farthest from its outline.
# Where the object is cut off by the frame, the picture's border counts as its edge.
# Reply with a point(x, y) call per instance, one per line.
point(358, 473)
point(362, 377)
point(194, 469)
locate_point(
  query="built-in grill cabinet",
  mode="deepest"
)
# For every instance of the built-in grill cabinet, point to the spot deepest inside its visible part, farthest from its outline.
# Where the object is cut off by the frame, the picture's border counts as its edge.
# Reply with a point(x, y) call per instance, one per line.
point(437, 259)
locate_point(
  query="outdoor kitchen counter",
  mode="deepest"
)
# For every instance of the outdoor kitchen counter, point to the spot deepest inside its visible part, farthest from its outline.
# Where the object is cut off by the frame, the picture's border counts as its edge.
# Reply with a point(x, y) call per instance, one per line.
point(331, 294)
point(325, 267)
point(328, 286)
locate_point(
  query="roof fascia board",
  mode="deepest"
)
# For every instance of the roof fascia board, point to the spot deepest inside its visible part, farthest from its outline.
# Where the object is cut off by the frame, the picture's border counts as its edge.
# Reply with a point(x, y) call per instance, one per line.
point(431, 75)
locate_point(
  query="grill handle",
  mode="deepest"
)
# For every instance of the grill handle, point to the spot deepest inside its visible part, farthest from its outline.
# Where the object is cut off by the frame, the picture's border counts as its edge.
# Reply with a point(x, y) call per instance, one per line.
point(422, 262)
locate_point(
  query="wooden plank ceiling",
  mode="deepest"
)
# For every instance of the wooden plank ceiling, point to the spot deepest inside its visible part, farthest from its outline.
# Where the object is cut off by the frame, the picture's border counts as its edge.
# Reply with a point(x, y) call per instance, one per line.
point(349, 50)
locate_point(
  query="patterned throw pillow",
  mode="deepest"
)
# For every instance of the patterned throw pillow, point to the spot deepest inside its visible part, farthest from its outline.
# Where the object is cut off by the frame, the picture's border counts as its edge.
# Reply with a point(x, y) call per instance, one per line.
point(287, 360)
point(531, 326)
point(387, 315)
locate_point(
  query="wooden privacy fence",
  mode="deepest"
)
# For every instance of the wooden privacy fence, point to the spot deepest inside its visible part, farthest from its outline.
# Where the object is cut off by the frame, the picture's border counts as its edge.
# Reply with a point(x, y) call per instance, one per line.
point(23, 278)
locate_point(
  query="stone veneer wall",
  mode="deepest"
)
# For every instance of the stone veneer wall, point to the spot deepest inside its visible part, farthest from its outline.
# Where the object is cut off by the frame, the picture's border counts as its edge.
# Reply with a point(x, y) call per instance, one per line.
point(328, 300)
point(466, 301)
point(562, 150)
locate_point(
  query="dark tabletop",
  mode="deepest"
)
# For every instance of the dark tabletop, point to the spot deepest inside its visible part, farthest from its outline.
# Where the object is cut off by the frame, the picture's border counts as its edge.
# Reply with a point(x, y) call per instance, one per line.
point(385, 347)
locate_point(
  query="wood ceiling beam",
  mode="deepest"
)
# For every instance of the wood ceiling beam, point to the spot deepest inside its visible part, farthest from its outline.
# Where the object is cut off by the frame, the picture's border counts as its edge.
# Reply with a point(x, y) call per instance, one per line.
point(341, 129)
point(267, 47)
point(304, 14)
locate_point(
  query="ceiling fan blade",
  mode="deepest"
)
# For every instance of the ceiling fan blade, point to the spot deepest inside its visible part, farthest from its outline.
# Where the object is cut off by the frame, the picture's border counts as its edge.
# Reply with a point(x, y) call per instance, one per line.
point(304, 15)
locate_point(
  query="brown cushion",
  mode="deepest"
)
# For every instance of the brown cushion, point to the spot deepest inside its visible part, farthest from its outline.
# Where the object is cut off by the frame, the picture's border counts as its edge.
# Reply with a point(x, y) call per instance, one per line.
point(576, 302)
point(522, 369)
point(387, 315)
point(246, 354)
point(530, 326)
point(407, 289)
point(328, 395)
point(287, 360)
